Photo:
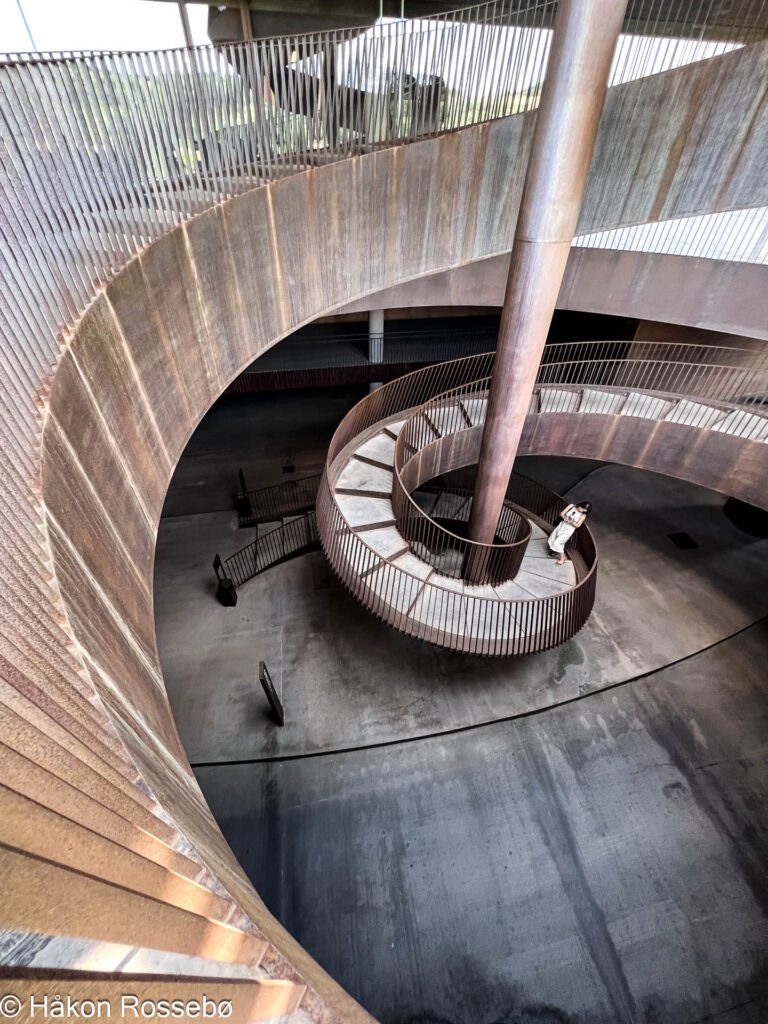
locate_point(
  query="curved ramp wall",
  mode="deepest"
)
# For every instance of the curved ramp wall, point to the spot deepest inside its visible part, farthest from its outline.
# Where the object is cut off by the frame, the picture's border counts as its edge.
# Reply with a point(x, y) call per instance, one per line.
point(92, 744)
point(687, 291)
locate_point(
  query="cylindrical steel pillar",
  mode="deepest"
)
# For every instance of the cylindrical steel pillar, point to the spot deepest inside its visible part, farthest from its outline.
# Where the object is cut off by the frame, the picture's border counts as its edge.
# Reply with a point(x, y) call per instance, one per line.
point(584, 38)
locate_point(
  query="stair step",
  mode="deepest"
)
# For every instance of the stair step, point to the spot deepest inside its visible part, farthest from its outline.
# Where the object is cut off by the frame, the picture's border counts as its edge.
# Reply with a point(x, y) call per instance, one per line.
point(425, 500)
point(448, 419)
point(449, 506)
point(380, 448)
point(475, 409)
point(363, 477)
point(431, 424)
point(387, 542)
point(359, 510)
point(646, 406)
point(605, 403)
point(373, 462)
point(361, 492)
point(393, 429)
point(464, 414)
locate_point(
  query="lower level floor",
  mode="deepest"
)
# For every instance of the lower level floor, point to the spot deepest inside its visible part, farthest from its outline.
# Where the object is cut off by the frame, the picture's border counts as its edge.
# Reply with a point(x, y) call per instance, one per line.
point(577, 836)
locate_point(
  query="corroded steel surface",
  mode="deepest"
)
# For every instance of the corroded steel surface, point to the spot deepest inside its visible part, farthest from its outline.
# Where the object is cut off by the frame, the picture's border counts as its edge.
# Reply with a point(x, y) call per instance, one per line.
point(583, 44)
point(126, 311)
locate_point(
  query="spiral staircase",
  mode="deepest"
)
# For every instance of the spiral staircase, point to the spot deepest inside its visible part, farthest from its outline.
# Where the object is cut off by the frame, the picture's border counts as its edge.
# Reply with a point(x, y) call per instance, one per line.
point(159, 209)
point(396, 494)
point(391, 519)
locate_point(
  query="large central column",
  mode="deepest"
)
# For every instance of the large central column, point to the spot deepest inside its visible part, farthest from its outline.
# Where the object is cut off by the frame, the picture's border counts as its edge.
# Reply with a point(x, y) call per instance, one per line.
point(584, 38)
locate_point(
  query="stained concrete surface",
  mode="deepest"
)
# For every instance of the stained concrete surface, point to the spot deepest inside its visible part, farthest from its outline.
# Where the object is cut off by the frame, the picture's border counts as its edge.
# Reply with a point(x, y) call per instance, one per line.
point(600, 863)
point(348, 680)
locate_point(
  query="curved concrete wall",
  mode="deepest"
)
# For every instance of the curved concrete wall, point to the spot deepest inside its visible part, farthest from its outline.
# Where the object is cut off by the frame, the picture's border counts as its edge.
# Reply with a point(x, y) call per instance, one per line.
point(158, 346)
point(92, 745)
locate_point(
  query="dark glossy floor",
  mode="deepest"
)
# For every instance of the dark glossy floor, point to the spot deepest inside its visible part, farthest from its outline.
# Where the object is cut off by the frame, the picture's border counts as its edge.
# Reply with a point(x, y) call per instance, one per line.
point(597, 862)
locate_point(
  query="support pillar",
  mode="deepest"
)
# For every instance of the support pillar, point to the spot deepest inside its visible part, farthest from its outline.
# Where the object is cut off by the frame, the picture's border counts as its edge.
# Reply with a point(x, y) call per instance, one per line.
point(375, 341)
point(584, 38)
point(245, 21)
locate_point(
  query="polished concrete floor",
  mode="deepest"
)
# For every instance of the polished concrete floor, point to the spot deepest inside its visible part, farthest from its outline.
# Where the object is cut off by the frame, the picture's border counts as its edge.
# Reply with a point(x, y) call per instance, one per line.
point(600, 859)
point(601, 862)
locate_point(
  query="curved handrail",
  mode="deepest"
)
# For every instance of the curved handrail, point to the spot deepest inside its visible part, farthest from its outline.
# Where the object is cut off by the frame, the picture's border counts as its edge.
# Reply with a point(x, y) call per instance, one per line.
point(460, 616)
point(286, 541)
point(105, 152)
point(457, 618)
point(472, 561)
point(444, 417)
point(406, 393)
point(400, 596)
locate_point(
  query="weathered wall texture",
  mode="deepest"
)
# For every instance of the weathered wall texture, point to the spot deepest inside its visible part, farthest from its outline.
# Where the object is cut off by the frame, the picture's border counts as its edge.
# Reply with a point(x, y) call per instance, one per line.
point(120, 850)
point(157, 347)
point(708, 294)
point(704, 457)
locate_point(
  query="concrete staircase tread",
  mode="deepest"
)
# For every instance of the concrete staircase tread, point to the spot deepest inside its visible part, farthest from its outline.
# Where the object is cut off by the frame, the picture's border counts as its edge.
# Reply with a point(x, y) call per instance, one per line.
point(362, 476)
point(607, 403)
point(744, 423)
point(409, 563)
point(386, 541)
point(645, 406)
point(541, 586)
point(552, 399)
point(359, 511)
point(695, 414)
point(475, 409)
point(380, 447)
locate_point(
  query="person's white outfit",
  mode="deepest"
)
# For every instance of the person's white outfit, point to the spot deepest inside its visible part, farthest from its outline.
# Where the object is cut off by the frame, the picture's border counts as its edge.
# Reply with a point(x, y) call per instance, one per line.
point(564, 530)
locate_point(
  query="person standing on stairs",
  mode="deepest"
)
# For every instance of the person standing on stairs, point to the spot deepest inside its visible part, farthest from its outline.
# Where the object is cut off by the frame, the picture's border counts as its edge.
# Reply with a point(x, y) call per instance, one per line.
point(573, 516)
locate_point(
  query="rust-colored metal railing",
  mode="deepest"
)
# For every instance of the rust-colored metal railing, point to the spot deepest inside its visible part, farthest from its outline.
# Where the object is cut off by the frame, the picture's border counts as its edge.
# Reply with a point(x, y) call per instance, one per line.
point(104, 152)
point(286, 541)
point(457, 618)
point(269, 504)
point(406, 394)
point(700, 385)
point(436, 416)
point(437, 411)
point(427, 446)
point(452, 554)
point(460, 616)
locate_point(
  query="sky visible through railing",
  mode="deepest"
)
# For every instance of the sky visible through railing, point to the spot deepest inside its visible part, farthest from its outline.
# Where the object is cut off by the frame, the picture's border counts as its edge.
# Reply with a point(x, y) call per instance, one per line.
point(415, 44)
point(55, 25)
point(739, 236)
point(102, 154)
